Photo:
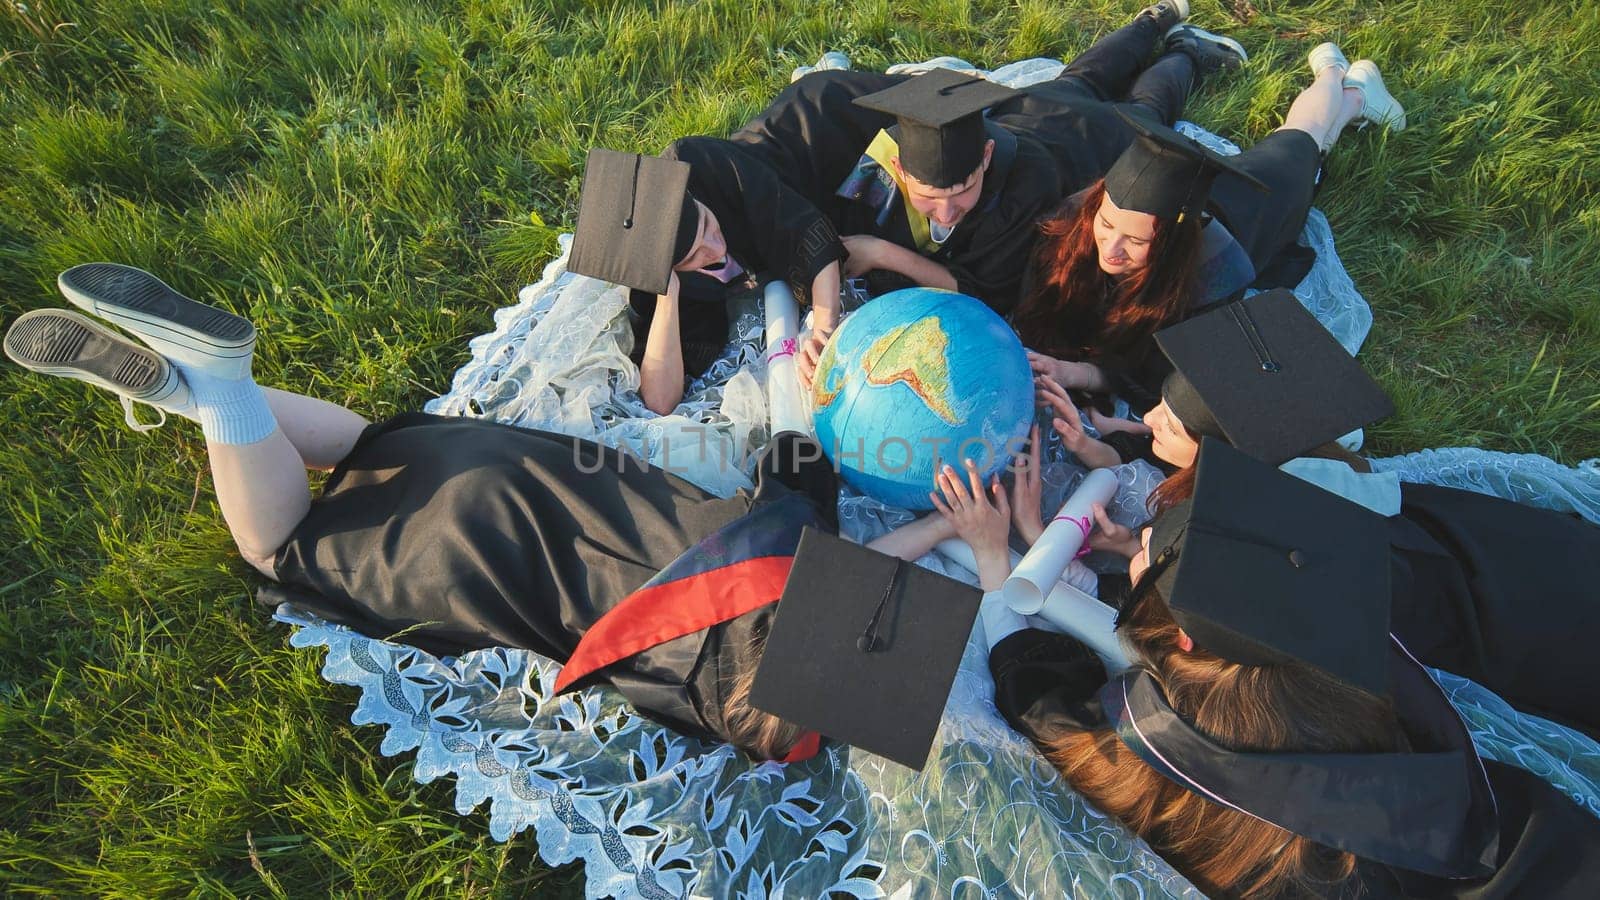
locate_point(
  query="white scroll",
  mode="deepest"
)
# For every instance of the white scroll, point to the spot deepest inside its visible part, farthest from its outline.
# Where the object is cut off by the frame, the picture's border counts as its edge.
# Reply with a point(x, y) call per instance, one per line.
point(1087, 619)
point(1063, 539)
point(1068, 607)
point(785, 404)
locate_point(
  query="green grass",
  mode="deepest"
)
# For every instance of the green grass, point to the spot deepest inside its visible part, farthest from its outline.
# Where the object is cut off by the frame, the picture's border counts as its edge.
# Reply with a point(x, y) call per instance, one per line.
point(368, 181)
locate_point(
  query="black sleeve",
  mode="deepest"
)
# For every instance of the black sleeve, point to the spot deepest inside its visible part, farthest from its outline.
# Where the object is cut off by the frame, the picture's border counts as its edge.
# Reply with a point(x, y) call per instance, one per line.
point(1046, 684)
point(813, 133)
point(767, 223)
point(1137, 381)
point(992, 265)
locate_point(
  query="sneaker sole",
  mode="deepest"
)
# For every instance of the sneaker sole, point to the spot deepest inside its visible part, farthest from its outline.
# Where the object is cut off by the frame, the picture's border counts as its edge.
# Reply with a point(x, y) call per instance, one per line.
point(1210, 37)
point(146, 306)
point(62, 343)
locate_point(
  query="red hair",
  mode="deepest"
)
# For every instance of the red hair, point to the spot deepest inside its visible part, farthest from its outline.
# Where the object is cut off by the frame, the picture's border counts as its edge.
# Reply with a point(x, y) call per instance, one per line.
point(1073, 310)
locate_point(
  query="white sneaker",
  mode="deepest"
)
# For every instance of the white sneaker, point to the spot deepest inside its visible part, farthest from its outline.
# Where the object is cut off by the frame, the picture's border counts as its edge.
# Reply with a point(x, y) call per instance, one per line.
point(62, 343)
point(1378, 106)
point(190, 334)
point(1324, 55)
point(1167, 13)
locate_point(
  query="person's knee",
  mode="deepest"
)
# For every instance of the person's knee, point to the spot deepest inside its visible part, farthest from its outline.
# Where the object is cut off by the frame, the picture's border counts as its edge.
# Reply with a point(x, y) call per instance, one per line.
point(263, 562)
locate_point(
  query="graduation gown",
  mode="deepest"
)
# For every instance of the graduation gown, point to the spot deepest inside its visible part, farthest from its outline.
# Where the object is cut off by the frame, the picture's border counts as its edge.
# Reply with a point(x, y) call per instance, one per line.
point(1049, 142)
point(769, 228)
point(455, 534)
point(1505, 594)
point(1437, 822)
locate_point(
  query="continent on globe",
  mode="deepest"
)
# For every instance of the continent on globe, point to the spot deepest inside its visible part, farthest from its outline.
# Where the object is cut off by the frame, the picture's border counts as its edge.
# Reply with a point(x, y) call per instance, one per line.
point(918, 362)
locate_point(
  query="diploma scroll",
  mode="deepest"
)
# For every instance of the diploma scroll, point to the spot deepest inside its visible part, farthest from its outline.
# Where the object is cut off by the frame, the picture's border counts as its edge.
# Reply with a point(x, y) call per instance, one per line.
point(1067, 607)
point(1087, 619)
point(1064, 540)
point(785, 405)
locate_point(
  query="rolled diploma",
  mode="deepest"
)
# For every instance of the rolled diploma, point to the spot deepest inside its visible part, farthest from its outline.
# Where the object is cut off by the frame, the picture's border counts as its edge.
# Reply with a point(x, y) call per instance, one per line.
point(784, 403)
point(1073, 611)
point(1087, 619)
point(1032, 578)
point(961, 553)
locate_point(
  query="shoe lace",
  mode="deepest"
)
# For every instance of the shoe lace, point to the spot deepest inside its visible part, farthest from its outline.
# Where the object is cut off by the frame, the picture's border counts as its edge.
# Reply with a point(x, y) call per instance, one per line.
point(133, 420)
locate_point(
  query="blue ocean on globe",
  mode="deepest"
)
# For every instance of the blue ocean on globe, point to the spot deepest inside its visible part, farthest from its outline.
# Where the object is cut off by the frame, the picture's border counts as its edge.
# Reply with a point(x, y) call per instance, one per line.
point(915, 378)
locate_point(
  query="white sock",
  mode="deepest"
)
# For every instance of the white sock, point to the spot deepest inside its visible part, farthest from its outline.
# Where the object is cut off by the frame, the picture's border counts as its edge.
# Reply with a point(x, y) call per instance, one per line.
point(230, 411)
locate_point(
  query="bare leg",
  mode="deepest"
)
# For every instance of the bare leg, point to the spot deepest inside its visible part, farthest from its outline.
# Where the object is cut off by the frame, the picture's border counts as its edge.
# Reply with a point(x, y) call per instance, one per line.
point(321, 432)
point(262, 486)
point(1325, 108)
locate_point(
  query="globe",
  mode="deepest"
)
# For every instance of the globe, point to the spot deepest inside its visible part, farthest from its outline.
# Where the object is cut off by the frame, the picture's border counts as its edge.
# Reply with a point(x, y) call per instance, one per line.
point(917, 378)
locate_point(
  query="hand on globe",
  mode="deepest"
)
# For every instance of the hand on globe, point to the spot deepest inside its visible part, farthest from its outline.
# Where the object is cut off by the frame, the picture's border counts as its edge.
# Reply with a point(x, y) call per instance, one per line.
point(1025, 491)
point(1094, 453)
point(810, 351)
point(983, 524)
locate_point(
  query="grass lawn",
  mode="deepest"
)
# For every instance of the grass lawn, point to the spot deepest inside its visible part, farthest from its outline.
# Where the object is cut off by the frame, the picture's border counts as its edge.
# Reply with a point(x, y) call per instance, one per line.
point(368, 181)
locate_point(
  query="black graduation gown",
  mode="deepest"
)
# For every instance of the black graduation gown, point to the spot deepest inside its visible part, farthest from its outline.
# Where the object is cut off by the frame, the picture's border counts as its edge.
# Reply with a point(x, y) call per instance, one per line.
point(1046, 146)
point(1048, 684)
point(769, 228)
point(454, 534)
point(1505, 594)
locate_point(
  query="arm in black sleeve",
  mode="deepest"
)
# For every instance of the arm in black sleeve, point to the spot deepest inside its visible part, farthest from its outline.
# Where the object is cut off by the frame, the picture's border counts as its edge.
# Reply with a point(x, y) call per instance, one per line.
point(813, 133)
point(1046, 684)
point(777, 229)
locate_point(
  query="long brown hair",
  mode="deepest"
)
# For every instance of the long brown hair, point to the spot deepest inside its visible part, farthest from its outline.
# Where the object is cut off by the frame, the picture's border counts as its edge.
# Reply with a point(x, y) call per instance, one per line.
point(760, 734)
point(1247, 708)
point(1073, 310)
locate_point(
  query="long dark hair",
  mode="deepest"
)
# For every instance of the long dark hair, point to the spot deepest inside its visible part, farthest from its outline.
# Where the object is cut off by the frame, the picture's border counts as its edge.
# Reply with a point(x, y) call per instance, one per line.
point(1073, 310)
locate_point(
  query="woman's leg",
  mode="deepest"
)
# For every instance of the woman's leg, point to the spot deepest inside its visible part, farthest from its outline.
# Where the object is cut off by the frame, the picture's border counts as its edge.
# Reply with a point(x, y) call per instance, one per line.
point(1325, 108)
point(261, 485)
point(321, 432)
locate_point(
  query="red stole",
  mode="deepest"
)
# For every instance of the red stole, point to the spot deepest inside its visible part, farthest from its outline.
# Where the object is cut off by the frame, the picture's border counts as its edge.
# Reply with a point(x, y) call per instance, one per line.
point(658, 613)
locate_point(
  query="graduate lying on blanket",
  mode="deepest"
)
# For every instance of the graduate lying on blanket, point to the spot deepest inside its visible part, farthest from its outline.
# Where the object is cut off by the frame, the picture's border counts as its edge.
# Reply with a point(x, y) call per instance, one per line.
point(456, 534)
point(1174, 228)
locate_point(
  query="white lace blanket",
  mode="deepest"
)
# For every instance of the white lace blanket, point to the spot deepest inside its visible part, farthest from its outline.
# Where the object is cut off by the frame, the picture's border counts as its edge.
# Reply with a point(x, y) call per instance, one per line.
point(654, 814)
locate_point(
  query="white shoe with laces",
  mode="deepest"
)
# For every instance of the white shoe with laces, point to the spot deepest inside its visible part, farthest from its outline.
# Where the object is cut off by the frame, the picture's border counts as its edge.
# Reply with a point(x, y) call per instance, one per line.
point(65, 344)
point(191, 334)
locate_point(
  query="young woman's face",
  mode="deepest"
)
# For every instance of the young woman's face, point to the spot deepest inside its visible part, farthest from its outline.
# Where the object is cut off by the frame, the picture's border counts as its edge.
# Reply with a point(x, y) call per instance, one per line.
point(1169, 440)
point(1123, 238)
point(709, 247)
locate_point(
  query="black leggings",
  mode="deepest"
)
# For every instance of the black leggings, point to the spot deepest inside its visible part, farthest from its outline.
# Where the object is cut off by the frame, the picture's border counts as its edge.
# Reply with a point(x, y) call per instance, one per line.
point(1114, 70)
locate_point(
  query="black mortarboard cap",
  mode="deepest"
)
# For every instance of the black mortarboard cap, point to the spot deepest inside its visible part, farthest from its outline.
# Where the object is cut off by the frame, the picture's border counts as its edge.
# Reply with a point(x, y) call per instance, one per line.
point(1260, 567)
point(632, 216)
point(1265, 375)
point(1167, 174)
point(941, 122)
point(864, 648)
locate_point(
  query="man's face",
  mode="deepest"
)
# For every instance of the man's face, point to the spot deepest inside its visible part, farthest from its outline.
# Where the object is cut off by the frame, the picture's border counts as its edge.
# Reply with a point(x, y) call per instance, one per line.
point(948, 205)
point(709, 246)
